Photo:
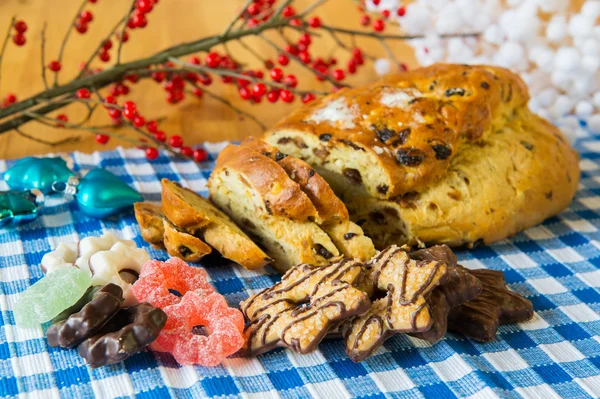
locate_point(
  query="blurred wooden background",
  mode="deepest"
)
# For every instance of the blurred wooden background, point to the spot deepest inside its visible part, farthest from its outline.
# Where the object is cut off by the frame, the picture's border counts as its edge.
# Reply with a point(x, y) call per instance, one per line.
point(171, 22)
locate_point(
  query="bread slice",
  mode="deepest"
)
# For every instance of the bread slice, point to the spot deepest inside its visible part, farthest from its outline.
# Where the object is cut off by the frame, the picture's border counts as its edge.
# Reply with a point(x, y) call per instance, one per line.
point(197, 216)
point(257, 193)
point(332, 214)
point(161, 233)
point(150, 219)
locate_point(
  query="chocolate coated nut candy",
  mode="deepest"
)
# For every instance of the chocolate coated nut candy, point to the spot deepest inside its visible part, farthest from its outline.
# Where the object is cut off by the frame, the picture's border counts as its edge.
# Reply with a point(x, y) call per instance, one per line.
point(128, 332)
point(496, 305)
point(298, 311)
point(95, 308)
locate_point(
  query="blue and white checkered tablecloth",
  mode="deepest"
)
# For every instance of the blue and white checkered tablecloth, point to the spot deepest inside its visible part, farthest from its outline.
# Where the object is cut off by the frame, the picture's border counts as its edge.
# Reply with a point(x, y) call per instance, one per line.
point(556, 354)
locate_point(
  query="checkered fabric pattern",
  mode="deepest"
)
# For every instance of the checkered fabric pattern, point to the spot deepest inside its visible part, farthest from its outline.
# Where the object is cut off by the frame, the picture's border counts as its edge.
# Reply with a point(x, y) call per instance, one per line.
point(556, 354)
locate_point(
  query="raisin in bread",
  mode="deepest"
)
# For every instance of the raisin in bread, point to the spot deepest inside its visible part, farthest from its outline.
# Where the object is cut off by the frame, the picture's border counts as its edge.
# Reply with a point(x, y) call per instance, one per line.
point(257, 193)
point(443, 154)
point(161, 233)
point(332, 214)
point(195, 215)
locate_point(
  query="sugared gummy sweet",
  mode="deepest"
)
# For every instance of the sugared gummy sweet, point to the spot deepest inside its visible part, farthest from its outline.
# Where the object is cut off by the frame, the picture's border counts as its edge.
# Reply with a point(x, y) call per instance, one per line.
point(156, 278)
point(51, 295)
point(201, 329)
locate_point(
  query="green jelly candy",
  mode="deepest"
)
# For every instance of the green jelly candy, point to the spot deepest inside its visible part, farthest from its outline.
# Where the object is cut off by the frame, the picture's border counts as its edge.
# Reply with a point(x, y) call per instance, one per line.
point(51, 295)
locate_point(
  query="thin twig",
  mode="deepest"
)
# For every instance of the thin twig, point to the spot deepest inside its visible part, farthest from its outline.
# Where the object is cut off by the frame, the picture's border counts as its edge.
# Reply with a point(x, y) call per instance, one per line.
point(226, 102)
point(125, 21)
point(252, 51)
point(97, 50)
point(63, 45)
point(390, 53)
point(44, 56)
point(313, 6)
point(239, 15)
point(4, 44)
point(381, 36)
point(71, 139)
point(280, 9)
point(343, 45)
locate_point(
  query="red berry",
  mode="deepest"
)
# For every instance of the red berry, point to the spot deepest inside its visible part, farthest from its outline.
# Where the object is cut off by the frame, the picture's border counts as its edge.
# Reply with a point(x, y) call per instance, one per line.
point(198, 92)
point(86, 16)
point(20, 26)
point(338, 75)
point(365, 20)
point(81, 27)
point(352, 67)
point(283, 60)
point(314, 22)
point(125, 37)
point(245, 93)
point(102, 138)
point(140, 21)
point(144, 6)
point(385, 13)
point(107, 45)
point(158, 76)
point(296, 22)
point(212, 59)
point(152, 126)
point(114, 113)
point(200, 155)
point(259, 74)
point(290, 81)
point(62, 118)
point(19, 39)
point(129, 113)
point(151, 153)
point(305, 39)
point(322, 69)
point(187, 151)
point(93, 1)
point(376, 2)
point(206, 80)
point(308, 97)
point(304, 57)
point(139, 121)
point(259, 90)
point(123, 89)
point(273, 96)
point(253, 9)
point(10, 98)
point(160, 136)
point(378, 25)
point(54, 66)
point(276, 74)
point(194, 60)
point(129, 105)
point(110, 100)
point(104, 56)
point(401, 11)
point(83, 93)
point(176, 141)
point(288, 12)
point(286, 96)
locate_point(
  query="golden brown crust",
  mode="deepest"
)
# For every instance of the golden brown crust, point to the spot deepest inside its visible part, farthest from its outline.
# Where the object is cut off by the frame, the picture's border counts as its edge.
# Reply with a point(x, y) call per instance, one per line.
point(150, 218)
point(195, 214)
point(183, 245)
point(328, 205)
point(280, 194)
point(408, 125)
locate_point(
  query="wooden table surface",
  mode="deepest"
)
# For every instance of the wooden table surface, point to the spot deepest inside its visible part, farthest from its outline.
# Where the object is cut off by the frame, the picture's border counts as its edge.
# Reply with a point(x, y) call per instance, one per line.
point(171, 22)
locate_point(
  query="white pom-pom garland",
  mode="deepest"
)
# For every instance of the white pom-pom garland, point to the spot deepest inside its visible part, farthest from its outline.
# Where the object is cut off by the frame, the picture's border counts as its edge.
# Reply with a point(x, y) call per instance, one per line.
point(558, 55)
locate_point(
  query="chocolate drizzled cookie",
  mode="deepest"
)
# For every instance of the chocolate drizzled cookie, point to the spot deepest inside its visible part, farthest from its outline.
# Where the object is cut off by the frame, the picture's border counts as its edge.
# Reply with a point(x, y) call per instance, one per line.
point(298, 311)
point(128, 332)
point(406, 283)
point(86, 317)
point(496, 305)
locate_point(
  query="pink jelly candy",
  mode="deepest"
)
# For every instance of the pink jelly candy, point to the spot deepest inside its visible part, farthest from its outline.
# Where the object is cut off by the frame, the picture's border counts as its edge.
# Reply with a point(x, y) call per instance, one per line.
point(156, 278)
point(201, 329)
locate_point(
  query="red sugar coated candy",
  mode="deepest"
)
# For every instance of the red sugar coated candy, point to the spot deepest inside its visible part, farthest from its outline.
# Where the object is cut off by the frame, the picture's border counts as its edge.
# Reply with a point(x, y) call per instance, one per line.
point(221, 334)
point(156, 278)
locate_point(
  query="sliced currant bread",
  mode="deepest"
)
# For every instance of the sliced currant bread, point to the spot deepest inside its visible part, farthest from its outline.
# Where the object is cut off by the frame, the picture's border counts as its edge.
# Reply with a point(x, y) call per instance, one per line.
point(195, 215)
point(161, 233)
point(258, 194)
point(332, 214)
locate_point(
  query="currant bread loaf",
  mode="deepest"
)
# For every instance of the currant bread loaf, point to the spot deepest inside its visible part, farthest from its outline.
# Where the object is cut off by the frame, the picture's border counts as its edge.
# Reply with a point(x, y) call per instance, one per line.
point(257, 193)
point(444, 154)
point(332, 214)
point(197, 216)
point(150, 219)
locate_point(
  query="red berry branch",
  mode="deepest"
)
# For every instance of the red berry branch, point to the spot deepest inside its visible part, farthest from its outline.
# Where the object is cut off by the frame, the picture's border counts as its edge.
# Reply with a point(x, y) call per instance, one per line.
point(289, 33)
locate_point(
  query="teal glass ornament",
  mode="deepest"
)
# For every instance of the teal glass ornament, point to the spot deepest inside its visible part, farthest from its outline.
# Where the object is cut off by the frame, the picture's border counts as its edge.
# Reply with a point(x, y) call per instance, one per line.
point(37, 173)
point(17, 207)
point(99, 193)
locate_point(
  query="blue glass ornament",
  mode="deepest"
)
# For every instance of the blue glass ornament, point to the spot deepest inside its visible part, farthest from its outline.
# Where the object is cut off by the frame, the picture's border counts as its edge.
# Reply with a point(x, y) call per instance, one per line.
point(17, 207)
point(99, 193)
point(37, 173)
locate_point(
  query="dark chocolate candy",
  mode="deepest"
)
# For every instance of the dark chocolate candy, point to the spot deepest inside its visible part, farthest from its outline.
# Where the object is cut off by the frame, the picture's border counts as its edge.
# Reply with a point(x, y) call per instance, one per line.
point(87, 316)
point(128, 332)
point(496, 305)
point(436, 253)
